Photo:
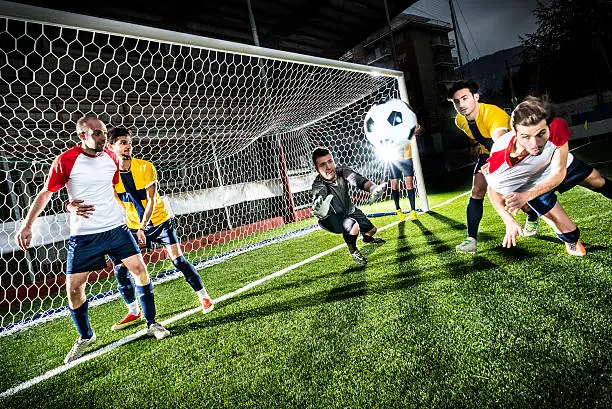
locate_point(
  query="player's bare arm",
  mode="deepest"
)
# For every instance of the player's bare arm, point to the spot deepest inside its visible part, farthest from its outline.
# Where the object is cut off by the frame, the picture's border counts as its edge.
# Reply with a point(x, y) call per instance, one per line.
point(151, 191)
point(513, 228)
point(24, 235)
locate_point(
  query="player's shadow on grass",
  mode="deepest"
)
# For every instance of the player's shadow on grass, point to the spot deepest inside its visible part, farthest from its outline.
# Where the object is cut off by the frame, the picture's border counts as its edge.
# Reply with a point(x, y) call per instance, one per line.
point(368, 248)
point(433, 241)
point(513, 253)
point(452, 223)
point(402, 252)
point(343, 292)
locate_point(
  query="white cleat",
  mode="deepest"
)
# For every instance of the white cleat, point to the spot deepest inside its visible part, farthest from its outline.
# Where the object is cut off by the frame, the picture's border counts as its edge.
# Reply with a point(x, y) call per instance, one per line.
point(79, 347)
point(158, 331)
point(468, 245)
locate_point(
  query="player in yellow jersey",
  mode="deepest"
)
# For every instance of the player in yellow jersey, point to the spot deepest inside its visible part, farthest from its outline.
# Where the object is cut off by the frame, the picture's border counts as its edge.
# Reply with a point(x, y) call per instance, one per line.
point(404, 168)
point(483, 124)
point(149, 221)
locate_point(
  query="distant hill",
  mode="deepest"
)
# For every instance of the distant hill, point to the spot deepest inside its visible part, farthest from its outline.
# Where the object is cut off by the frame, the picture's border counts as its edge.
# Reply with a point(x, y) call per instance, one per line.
point(489, 71)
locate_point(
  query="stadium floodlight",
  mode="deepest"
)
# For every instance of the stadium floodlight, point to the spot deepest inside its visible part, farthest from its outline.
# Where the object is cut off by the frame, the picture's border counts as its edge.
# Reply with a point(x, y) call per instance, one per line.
point(230, 128)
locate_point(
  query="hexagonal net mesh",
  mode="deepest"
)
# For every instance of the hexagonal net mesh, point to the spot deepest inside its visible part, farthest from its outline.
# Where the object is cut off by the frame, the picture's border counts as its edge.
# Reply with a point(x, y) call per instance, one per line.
point(230, 135)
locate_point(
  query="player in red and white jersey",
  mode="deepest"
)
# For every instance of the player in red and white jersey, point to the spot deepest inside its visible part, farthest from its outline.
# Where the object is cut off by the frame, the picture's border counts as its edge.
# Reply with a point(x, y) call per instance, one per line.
point(89, 173)
point(529, 164)
point(506, 178)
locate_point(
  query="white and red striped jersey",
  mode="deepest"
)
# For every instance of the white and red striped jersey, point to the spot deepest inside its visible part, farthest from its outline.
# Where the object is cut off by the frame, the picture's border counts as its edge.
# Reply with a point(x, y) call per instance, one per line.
point(90, 179)
point(504, 177)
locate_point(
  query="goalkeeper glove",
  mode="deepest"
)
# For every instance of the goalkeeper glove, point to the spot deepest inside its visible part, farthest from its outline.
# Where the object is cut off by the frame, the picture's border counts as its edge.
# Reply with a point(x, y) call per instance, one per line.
point(320, 207)
point(376, 192)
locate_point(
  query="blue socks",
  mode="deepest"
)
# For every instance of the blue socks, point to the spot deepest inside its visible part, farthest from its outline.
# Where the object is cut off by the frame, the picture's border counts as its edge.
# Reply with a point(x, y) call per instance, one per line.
point(81, 320)
point(571, 237)
point(189, 271)
point(147, 303)
point(125, 284)
point(411, 198)
point(474, 215)
point(532, 215)
point(396, 197)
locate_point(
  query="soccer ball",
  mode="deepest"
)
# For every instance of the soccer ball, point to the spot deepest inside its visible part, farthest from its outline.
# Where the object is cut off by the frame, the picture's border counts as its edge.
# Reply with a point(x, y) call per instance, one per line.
point(390, 125)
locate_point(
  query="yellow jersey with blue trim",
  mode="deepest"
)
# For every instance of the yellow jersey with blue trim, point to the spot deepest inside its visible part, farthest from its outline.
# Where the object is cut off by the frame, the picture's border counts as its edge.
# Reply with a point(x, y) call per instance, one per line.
point(489, 119)
point(132, 190)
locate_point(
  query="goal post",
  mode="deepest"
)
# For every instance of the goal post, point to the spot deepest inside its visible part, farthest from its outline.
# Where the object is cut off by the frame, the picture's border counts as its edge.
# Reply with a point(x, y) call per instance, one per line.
point(229, 127)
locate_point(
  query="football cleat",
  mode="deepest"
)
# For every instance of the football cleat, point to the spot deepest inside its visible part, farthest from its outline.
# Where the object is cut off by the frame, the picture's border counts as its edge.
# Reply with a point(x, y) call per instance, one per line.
point(358, 258)
point(156, 330)
point(530, 229)
point(575, 249)
point(207, 305)
point(127, 321)
point(400, 214)
point(468, 245)
point(413, 215)
point(79, 347)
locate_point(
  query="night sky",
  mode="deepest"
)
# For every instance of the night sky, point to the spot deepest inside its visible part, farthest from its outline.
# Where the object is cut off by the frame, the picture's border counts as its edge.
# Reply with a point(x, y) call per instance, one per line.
point(494, 24)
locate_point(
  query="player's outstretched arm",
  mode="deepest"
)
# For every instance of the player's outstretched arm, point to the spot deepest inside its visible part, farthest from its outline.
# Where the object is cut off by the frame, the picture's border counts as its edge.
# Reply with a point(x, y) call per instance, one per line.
point(512, 227)
point(24, 235)
point(516, 200)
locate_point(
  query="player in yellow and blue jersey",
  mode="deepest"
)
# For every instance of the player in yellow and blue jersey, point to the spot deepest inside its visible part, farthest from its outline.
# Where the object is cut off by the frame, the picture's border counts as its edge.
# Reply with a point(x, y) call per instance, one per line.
point(483, 124)
point(149, 221)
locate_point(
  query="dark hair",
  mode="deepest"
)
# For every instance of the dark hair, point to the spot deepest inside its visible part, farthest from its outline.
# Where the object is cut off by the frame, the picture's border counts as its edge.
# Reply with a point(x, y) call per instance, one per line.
point(457, 85)
point(531, 112)
point(116, 132)
point(319, 152)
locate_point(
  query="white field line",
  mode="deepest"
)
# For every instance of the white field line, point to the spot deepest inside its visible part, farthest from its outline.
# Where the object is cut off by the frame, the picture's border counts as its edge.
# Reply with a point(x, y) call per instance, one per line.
point(143, 332)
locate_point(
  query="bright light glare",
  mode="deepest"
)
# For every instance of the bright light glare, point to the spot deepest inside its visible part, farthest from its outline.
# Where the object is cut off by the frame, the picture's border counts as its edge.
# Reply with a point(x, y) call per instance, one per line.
point(388, 152)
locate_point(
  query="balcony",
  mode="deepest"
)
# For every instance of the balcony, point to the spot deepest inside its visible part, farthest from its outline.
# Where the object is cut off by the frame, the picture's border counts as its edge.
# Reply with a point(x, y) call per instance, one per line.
point(441, 42)
point(446, 61)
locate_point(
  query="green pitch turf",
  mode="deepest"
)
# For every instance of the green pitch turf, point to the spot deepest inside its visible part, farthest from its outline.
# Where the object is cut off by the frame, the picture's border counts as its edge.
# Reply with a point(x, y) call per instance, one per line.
point(419, 326)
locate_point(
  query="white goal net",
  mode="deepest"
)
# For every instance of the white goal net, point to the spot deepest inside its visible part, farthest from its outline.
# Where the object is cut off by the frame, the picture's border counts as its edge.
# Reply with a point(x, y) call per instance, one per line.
point(229, 128)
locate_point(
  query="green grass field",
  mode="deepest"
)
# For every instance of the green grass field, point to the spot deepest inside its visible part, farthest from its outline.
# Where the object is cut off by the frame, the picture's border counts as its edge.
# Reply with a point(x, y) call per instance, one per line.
point(418, 326)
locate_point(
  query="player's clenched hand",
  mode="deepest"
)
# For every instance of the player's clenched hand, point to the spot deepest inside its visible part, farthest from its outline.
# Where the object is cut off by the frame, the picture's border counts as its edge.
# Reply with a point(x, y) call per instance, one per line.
point(321, 206)
point(142, 238)
point(80, 209)
point(515, 201)
point(24, 237)
point(376, 192)
point(512, 230)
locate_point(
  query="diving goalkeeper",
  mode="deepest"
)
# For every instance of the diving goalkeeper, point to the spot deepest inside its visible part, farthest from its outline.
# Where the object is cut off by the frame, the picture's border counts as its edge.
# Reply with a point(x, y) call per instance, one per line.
point(333, 205)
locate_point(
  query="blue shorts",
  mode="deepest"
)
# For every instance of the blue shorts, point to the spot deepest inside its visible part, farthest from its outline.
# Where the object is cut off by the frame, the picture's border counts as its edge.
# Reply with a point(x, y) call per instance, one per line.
point(482, 159)
point(163, 234)
point(576, 173)
point(86, 251)
point(403, 167)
